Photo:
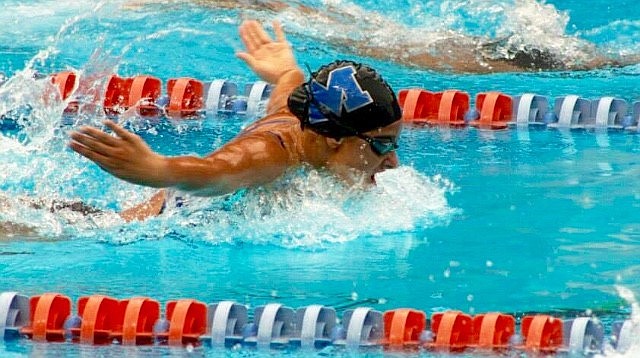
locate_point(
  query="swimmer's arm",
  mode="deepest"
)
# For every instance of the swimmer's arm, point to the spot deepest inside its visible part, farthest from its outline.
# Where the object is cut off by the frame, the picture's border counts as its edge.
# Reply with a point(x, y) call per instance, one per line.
point(147, 209)
point(246, 161)
point(272, 60)
point(280, 94)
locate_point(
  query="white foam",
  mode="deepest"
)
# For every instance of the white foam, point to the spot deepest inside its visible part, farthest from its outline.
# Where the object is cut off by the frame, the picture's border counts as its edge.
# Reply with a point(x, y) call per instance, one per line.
point(515, 24)
point(31, 103)
point(619, 36)
point(633, 351)
point(312, 209)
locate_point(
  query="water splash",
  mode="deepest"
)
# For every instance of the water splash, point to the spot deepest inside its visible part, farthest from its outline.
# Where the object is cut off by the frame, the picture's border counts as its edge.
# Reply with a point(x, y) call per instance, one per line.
point(501, 28)
point(529, 24)
point(29, 103)
point(306, 209)
point(633, 351)
point(619, 38)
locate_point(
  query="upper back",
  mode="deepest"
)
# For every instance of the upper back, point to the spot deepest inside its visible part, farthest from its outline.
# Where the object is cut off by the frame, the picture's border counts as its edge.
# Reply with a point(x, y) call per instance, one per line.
point(283, 128)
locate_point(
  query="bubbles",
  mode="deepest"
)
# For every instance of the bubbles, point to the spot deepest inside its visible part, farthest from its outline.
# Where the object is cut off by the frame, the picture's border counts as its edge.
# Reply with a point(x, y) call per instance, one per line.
point(634, 349)
point(190, 348)
point(630, 297)
point(489, 263)
point(306, 209)
point(310, 209)
point(519, 30)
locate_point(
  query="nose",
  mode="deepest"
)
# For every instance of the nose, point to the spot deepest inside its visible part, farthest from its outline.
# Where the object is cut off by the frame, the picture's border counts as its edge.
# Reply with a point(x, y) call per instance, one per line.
point(391, 161)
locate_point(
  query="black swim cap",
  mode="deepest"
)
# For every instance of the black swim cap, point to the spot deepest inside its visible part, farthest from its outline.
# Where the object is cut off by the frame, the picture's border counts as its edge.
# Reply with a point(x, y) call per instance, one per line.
point(344, 98)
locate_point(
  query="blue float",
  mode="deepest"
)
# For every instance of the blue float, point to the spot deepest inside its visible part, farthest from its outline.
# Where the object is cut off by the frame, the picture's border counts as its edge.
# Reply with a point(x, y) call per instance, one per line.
point(530, 109)
point(625, 334)
point(226, 321)
point(364, 328)
point(259, 93)
point(584, 335)
point(219, 94)
point(572, 111)
point(314, 326)
point(14, 314)
point(609, 112)
point(274, 326)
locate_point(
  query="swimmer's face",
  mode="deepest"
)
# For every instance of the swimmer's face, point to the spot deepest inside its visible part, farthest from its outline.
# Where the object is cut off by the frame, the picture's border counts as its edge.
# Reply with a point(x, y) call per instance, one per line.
point(355, 161)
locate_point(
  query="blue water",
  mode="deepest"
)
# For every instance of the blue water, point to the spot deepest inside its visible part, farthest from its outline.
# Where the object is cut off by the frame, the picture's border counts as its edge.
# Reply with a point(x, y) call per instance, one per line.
point(513, 221)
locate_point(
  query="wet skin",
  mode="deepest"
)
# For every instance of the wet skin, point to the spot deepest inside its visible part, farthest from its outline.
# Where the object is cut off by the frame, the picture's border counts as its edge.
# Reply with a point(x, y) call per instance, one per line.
point(249, 159)
point(355, 161)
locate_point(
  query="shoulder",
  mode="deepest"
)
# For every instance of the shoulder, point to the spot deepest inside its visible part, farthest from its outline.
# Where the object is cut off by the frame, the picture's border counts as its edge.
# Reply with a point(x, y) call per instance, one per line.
point(273, 138)
point(257, 146)
point(282, 120)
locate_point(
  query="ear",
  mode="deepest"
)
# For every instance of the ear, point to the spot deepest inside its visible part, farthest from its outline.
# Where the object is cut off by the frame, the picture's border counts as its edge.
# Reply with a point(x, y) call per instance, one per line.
point(334, 143)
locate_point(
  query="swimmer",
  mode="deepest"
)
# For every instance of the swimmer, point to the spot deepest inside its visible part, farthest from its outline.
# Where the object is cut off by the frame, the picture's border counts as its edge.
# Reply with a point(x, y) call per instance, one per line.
point(344, 119)
point(446, 51)
point(73, 212)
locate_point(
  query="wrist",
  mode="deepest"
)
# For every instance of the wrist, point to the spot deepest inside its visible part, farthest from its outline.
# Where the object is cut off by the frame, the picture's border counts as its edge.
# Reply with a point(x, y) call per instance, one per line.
point(293, 76)
point(162, 173)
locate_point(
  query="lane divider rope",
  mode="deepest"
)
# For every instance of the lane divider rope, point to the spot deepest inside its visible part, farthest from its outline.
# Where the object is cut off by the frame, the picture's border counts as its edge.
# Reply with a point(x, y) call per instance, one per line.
point(137, 321)
point(189, 98)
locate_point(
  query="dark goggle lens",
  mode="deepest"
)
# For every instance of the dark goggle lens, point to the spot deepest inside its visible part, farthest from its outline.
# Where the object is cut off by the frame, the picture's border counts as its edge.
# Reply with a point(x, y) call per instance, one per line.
point(383, 146)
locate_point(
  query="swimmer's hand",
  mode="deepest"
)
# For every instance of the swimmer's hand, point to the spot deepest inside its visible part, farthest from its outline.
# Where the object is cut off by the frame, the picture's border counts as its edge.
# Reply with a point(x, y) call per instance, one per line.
point(147, 209)
point(126, 156)
point(269, 59)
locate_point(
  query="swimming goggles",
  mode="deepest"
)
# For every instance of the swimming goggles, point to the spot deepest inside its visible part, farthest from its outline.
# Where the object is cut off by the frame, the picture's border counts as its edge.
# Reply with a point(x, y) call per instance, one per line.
point(379, 145)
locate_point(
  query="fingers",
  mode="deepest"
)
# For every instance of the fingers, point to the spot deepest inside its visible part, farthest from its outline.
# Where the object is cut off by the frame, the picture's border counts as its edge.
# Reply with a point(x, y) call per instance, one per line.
point(277, 29)
point(246, 58)
point(246, 38)
point(89, 143)
point(250, 33)
point(97, 145)
point(260, 34)
point(254, 36)
point(89, 153)
point(96, 134)
point(121, 132)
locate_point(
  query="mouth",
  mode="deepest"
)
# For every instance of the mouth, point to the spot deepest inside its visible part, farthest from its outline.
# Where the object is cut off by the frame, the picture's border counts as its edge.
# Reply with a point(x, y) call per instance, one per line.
point(372, 178)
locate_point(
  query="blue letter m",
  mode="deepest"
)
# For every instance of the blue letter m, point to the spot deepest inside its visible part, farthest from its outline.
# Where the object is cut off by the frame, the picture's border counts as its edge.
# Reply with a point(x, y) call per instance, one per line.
point(342, 90)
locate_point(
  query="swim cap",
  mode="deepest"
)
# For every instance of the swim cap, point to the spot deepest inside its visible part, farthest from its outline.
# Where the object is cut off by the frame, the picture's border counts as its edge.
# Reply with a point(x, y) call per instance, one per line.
point(344, 98)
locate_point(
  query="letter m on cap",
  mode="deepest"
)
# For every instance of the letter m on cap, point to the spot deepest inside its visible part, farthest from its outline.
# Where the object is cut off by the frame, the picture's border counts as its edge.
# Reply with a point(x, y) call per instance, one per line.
point(342, 91)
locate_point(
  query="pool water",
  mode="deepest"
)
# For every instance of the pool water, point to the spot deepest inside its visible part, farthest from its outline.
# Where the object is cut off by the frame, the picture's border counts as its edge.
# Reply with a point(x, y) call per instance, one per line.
point(518, 220)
